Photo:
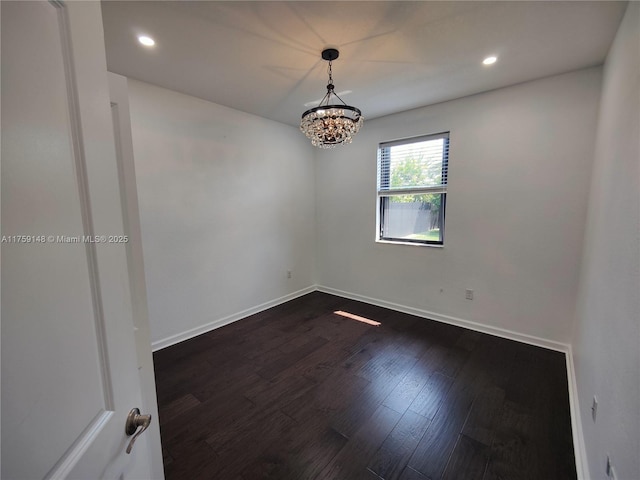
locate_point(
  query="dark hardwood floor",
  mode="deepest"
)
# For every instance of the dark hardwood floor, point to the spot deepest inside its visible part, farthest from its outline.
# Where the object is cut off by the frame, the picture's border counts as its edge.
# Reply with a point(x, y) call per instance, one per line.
point(298, 392)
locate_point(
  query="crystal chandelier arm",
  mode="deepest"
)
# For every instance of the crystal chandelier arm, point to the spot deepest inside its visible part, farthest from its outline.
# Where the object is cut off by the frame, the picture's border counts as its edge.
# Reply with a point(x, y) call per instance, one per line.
point(326, 99)
point(338, 97)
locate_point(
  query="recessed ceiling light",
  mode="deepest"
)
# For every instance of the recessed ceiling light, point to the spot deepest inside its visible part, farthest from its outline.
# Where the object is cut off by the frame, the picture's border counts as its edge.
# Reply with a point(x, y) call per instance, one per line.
point(146, 41)
point(490, 60)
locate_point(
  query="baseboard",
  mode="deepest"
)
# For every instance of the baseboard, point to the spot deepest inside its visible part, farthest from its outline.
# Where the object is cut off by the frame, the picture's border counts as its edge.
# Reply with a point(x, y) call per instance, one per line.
point(478, 327)
point(579, 447)
point(220, 322)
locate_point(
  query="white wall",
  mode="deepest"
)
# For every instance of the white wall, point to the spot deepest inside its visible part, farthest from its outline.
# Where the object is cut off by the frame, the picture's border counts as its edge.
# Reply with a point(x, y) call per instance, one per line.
point(519, 173)
point(606, 339)
point(227, 206)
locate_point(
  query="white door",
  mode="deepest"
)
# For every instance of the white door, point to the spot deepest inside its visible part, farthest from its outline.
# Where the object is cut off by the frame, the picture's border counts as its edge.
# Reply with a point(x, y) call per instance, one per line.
point(69, 369)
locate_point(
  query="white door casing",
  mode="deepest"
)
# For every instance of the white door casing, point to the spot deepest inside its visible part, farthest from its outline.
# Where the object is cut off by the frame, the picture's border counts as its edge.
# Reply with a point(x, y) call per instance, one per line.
point(69, 367)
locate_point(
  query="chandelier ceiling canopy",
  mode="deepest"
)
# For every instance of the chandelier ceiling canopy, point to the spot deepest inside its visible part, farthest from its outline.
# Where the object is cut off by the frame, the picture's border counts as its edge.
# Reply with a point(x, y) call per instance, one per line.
point(331, 123)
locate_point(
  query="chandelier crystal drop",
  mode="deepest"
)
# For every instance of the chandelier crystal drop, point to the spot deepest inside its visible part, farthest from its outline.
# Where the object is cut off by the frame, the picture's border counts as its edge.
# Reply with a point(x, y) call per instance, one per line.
point(330, 124)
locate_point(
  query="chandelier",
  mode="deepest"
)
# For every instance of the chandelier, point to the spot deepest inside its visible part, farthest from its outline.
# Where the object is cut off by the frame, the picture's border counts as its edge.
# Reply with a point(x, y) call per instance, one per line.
point(330, 124)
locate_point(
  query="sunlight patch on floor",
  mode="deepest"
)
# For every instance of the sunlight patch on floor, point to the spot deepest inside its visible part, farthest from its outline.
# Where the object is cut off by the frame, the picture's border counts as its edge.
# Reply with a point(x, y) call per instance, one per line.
point(357, 317)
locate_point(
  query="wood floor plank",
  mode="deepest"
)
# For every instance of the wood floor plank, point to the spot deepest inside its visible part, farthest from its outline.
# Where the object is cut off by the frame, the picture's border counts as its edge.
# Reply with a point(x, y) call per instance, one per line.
point(410, 474)
point(512, 453)
point(297, 392)
point(303, 453)
point(383, 378)
point(414, 382)
point(265, 394)
point(321, 363)
point(433, 393)
point(431, 454)
point(324, 400)
point(394, 453)
point(468, 340)
point(318, 453)
point(468, 460)
point(177, 407)
point(406, 391)
point(498, 357)
point(195, 463)
point(176, 382)
point(455, 358)
point(249, 443)
point(388, 363)
point(483, 417)
point(266, 340)
point(294, 354)
point(352, 460)
point(180, 434)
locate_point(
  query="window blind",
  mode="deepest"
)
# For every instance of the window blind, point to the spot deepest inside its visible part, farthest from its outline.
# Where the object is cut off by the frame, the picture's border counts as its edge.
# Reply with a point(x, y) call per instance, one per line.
point(413, 165)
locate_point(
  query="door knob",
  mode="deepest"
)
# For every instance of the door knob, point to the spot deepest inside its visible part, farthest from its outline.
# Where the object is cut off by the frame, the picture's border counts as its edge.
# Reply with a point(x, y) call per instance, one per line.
point(134, 421)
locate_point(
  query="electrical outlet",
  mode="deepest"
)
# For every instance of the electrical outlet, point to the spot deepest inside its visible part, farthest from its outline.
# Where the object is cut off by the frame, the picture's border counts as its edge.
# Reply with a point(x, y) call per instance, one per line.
point(288, 273)
point(594, 408)
point(468, 294)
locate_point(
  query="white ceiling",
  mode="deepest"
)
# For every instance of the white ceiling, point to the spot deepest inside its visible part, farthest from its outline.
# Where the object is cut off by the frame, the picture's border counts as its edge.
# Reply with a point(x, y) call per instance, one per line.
point(264, 57)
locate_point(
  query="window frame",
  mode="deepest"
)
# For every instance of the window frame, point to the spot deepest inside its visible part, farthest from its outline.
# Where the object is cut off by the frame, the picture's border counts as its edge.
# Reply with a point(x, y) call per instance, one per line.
point(383, 194)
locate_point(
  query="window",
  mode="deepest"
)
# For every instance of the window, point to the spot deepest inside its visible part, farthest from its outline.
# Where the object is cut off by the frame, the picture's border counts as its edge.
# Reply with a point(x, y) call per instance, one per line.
point(412, 189)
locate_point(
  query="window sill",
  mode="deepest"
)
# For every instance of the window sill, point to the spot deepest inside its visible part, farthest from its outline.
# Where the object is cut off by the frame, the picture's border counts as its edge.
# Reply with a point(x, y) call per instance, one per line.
point(411, 244)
